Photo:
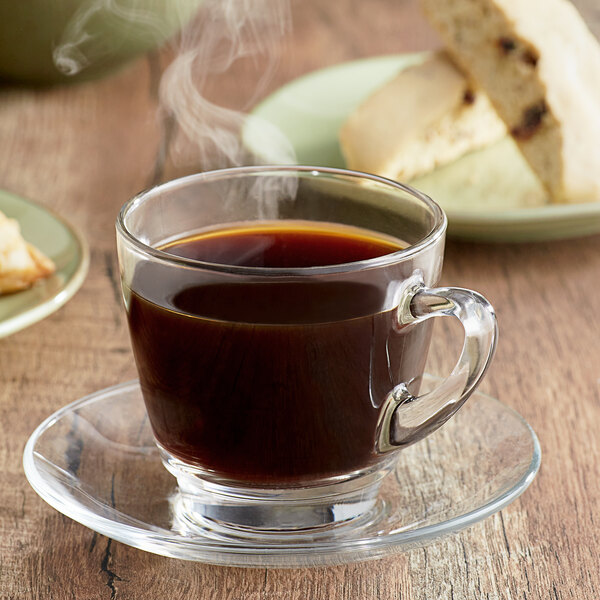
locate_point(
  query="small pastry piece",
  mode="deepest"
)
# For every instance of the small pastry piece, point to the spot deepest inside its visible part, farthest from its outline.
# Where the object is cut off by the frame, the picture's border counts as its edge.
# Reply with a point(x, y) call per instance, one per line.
point(21, 264)
point(425, 117)
point(540, 66)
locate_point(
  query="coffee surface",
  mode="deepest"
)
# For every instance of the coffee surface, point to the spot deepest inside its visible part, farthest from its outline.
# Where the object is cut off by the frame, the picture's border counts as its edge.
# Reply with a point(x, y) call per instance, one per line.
point(284, 245)
point(269, 382)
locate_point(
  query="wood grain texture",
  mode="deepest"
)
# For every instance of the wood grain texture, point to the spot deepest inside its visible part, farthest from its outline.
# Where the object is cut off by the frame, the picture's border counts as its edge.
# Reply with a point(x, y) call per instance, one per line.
point(84, 150)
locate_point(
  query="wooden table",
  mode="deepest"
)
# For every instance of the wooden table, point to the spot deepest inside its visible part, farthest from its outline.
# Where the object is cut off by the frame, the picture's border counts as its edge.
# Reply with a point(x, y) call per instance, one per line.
point(83, 150)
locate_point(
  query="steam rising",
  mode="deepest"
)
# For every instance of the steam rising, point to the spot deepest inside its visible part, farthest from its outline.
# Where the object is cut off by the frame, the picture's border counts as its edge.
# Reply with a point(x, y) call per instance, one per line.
point(223, 31)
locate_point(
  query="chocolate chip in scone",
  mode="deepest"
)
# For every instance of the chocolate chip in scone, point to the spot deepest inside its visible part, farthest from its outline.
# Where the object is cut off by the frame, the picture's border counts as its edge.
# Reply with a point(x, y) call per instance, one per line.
point(530, 57)
point(506, 44)
point(531, 121)
point(469, 96)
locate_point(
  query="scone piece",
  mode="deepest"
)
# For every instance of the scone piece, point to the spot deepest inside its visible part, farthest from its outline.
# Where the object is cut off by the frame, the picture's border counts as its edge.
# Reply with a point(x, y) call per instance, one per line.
point(540, 66)
point(21, 264)
point(425, 117)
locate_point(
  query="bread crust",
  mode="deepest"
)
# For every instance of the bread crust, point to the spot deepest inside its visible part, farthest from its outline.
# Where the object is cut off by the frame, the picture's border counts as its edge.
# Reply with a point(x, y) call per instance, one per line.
point(540, 66)
point(428, 115)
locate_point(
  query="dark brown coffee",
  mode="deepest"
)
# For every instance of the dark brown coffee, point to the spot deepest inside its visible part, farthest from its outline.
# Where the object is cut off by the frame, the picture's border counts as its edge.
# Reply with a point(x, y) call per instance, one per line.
point(275, 382)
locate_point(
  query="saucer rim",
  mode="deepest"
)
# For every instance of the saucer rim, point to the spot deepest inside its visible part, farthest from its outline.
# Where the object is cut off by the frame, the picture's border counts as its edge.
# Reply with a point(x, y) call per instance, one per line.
point(205, 549)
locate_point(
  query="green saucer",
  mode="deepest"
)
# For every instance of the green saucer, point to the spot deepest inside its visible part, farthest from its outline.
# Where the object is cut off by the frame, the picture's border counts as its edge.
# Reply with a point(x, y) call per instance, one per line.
point(58, 240)
point(489, 195)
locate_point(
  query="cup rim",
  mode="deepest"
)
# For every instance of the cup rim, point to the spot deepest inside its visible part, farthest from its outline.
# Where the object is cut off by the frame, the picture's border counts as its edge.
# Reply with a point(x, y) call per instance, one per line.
point(437, 231)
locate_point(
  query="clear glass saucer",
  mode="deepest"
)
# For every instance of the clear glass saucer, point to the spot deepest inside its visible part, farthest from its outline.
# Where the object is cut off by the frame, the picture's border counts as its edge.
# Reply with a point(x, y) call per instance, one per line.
point(95, 461)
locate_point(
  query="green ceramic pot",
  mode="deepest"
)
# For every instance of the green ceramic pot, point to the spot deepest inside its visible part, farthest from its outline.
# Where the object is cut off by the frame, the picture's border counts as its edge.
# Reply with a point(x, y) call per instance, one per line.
point(54, 41)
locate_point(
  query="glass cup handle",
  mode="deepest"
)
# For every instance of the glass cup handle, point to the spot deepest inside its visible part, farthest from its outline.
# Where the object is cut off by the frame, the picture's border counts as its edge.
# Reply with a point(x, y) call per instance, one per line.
point(405, 419)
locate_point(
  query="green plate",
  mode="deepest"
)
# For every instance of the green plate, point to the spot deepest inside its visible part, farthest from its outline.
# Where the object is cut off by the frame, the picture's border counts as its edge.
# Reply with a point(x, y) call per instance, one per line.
point(57, 240)
point(488, 195)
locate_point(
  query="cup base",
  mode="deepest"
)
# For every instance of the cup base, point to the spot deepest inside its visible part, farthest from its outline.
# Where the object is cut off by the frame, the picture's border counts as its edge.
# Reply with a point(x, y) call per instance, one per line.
point(268, 523)
point(226, 511)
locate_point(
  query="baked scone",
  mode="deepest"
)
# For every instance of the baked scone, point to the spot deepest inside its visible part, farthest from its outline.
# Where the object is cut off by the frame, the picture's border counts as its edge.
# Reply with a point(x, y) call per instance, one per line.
point(540, 66)
point(425, 117)
point(21, 264)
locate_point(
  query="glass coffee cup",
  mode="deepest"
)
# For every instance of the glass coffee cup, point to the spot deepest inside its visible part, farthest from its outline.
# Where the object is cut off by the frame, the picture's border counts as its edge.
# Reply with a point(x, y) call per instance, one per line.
point(280, 319)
